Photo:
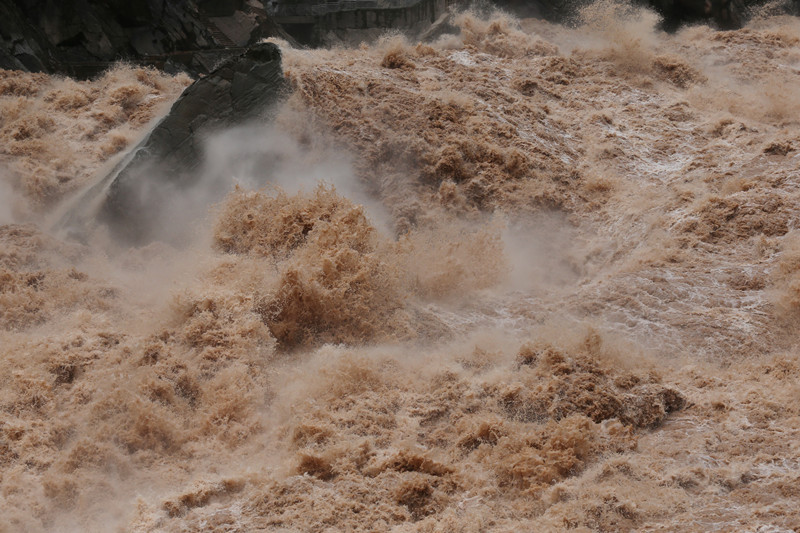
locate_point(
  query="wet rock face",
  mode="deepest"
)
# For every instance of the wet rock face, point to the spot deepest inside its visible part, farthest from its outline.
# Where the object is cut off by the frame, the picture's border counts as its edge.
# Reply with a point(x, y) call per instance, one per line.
point(22, 45)
point(85, 32)
point(220, 8)
point(82, 37)
point(725, 14)
point(167, 162)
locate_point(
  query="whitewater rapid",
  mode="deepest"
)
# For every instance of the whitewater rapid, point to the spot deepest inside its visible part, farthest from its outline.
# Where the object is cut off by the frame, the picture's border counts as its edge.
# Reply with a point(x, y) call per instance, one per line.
point(523, 278)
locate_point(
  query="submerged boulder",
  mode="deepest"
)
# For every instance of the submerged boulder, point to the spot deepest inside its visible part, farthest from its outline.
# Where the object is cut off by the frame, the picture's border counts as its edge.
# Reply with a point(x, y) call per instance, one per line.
point(166, 164)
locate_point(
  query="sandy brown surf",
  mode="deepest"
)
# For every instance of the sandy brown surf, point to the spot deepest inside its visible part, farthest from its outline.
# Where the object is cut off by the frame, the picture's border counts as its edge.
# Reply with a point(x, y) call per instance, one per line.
point(580, 315)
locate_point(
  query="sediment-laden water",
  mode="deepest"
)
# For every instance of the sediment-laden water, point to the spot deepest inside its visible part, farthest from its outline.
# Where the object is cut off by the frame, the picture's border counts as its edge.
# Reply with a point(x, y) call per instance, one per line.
point(525, 278)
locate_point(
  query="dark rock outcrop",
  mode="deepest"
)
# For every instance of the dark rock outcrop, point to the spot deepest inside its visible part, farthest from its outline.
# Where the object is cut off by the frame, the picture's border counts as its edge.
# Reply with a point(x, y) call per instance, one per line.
point(83, 37)
point(23, 46)
point(167, 163)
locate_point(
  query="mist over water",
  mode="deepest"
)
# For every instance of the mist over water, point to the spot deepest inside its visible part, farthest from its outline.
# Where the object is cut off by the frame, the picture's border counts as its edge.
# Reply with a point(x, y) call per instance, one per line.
point(527, 277)
point(6, 203)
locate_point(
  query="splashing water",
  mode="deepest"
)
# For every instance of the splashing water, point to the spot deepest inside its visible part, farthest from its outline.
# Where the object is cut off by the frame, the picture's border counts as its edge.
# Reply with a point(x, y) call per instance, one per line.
point(524, 277)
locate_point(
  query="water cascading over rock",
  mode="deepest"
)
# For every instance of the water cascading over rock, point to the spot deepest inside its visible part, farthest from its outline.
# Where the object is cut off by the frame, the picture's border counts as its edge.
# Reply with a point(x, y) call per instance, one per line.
point(167, 162)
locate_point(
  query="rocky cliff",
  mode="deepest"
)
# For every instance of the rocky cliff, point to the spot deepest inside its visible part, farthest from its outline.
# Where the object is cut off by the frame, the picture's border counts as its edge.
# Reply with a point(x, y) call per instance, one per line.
point(82, 37)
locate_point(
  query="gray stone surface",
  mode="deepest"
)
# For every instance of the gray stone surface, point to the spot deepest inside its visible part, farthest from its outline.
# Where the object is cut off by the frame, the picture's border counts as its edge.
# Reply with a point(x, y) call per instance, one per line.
point(22, 45)
point(82, 37)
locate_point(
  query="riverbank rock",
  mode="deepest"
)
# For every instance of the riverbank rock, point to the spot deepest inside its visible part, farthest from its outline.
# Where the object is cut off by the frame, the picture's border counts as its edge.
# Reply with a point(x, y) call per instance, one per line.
point(81, 38)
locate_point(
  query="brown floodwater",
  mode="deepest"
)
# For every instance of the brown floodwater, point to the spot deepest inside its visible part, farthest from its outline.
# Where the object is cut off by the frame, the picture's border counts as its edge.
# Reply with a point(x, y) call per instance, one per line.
point(523, 278)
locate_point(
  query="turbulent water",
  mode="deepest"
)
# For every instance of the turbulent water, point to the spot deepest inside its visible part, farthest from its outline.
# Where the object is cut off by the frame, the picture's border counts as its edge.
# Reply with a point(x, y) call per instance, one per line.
point(523, 278)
